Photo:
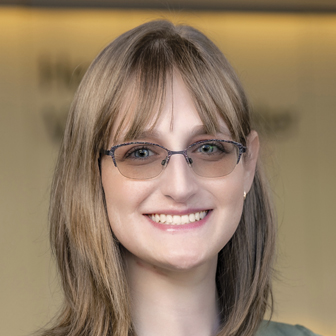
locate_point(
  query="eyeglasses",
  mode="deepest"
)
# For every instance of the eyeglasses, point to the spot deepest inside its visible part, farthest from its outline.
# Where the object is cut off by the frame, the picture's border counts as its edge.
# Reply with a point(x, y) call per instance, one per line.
point(145, 160)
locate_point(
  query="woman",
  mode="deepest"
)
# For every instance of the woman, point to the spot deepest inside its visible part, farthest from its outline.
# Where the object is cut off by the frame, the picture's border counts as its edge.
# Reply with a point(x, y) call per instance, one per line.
point(160, 215)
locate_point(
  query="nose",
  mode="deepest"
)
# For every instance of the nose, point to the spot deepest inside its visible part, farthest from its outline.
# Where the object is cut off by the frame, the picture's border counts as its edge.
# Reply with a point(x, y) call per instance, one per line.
point(178, 181)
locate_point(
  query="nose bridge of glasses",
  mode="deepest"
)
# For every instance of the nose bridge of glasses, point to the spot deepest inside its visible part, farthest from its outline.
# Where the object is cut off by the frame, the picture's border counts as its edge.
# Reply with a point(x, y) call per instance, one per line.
point(171, 153)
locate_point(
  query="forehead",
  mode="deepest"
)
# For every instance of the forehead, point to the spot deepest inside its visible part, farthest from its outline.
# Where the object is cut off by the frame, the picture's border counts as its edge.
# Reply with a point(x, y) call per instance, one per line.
point(172, 110)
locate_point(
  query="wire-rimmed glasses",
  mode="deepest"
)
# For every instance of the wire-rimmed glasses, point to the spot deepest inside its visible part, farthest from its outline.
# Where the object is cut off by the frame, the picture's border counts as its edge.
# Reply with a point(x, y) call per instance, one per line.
point(145, 160)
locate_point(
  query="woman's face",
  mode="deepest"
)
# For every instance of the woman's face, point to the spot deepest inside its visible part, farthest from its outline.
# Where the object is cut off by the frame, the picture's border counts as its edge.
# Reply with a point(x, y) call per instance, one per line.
point(177, 191)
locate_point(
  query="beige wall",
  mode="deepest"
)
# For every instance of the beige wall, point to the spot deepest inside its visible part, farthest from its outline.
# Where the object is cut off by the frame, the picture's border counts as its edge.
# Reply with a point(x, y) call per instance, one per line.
point(288, 65)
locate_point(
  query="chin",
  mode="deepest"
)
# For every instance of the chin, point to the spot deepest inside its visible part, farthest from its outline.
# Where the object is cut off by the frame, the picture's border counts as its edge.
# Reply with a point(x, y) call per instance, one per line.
point(186, 262)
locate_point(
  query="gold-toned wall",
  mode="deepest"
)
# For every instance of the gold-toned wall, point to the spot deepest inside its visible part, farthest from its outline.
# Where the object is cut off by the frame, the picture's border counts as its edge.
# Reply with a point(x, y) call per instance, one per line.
point(287, 63)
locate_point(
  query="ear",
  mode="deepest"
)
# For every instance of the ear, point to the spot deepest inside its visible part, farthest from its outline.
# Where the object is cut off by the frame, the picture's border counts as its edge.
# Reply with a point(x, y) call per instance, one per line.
point(250, 159)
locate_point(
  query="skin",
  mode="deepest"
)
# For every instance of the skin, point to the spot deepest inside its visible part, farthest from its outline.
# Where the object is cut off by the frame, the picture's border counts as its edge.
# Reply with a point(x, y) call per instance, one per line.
point(172, 274)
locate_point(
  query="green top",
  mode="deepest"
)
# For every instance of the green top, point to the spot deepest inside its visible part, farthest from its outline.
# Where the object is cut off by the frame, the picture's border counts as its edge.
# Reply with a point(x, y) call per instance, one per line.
point(281, 329)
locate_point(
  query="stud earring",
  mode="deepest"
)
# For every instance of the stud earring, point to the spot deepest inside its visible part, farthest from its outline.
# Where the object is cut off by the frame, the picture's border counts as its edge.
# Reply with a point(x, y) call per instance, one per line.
point(244, 195)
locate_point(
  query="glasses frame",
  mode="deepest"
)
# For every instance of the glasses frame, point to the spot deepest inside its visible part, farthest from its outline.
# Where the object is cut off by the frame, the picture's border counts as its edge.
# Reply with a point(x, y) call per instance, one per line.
point(110, 152)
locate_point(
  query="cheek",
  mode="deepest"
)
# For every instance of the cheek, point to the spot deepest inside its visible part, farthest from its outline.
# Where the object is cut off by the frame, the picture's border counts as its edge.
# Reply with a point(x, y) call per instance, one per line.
point(124, 198)
point(228, 194)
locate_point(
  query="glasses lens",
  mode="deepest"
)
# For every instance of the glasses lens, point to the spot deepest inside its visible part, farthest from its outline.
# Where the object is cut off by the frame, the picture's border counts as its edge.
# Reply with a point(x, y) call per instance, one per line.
point(213, 158)
point(140, 160)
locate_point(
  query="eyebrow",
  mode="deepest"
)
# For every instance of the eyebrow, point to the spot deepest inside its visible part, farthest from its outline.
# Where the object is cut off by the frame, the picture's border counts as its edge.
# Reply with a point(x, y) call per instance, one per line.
point(148, 134)
point(198, 130)
point(201, 130)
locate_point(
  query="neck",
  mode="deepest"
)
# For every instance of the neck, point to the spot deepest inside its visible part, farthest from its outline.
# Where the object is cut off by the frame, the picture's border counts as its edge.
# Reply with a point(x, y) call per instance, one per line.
point(173, 302)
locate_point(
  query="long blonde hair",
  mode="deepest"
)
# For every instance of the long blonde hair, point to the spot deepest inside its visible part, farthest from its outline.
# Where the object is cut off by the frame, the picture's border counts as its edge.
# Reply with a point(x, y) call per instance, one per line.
point(96, 299)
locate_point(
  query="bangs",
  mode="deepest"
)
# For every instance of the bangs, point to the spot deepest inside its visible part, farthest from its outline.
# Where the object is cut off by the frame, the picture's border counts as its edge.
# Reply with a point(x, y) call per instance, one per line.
point(148, 73)
point(145, 93)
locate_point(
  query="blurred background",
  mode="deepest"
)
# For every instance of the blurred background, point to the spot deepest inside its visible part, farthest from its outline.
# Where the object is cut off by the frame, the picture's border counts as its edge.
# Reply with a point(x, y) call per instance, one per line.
point(285, 55)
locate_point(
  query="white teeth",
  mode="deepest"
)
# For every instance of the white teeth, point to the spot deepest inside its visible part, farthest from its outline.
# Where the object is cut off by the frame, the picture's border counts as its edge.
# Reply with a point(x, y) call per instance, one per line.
point(178, 220)
point(192, 218)
point(184, 219)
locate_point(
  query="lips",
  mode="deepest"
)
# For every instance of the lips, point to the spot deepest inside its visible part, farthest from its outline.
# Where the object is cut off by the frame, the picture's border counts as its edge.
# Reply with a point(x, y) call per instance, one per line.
point(169, 219)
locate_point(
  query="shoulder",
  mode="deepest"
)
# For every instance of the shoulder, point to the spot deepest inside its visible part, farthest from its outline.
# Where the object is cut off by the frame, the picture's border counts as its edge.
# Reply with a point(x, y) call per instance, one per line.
point(269, 328)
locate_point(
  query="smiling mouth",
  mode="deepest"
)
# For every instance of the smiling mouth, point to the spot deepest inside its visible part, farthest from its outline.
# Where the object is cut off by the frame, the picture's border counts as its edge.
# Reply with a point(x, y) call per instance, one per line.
point(178, 220)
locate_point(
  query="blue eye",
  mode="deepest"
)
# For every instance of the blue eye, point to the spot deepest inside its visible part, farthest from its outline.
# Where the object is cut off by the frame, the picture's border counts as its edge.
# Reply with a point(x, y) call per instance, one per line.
point(139, 153)
point(208, 148)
